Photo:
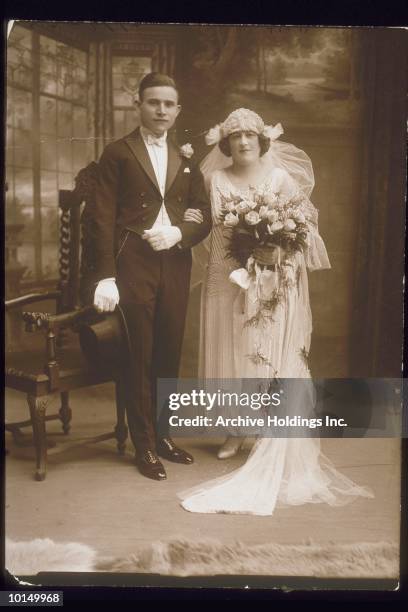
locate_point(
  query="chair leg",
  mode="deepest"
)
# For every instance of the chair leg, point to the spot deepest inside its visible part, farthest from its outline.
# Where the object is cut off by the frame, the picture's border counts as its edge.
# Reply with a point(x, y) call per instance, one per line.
point(121, 430)
point(38, 406)
point(65, 412)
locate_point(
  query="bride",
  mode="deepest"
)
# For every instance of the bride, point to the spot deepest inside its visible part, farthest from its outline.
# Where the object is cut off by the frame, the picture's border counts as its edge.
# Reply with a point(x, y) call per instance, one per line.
point(246, 164)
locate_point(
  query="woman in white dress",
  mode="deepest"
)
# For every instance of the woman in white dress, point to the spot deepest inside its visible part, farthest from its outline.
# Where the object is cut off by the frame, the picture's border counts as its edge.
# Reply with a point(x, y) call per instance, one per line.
point(278, 471)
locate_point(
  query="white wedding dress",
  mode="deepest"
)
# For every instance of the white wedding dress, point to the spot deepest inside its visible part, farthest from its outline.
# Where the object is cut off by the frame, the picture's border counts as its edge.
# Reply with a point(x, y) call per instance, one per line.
point(278, 471)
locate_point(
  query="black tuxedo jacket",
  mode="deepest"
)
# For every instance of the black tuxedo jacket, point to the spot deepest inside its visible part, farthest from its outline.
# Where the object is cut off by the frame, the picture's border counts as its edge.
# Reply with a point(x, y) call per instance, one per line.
point(127, 197)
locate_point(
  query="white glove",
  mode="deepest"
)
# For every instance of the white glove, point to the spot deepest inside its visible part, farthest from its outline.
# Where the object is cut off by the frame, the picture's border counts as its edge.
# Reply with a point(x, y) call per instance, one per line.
point(163, 237)
point(106, 295)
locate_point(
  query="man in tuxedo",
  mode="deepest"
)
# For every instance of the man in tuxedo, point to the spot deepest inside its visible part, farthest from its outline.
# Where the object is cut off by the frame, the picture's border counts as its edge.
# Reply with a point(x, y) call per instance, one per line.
point(143, 245)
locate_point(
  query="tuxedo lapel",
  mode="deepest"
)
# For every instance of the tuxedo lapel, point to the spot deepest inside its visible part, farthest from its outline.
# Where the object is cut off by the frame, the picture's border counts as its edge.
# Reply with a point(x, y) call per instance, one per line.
point(138, 148)
point(173, 163)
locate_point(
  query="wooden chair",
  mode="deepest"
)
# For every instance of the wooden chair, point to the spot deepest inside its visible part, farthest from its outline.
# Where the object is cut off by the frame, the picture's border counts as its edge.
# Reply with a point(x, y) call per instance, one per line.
point(57, 366)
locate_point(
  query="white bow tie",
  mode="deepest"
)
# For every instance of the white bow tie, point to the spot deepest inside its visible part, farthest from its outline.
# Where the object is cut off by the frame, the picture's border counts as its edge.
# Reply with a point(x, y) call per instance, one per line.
point(160, 141)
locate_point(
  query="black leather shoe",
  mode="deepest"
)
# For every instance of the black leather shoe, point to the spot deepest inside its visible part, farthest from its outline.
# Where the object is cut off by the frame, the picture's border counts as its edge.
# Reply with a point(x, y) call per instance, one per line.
point(168, 450)
point(150, 466)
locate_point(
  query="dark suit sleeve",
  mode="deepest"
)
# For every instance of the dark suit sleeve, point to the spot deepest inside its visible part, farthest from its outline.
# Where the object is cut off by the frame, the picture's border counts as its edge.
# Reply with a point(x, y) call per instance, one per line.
point(192, 232)
point(106, 202)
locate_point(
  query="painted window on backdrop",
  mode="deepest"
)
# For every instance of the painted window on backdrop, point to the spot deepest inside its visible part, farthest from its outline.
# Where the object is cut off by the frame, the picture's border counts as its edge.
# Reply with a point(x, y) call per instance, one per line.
point(46, 140)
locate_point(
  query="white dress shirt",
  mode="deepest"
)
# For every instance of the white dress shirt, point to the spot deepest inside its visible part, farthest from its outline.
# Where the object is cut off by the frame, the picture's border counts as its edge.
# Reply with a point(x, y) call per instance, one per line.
point(157, 150)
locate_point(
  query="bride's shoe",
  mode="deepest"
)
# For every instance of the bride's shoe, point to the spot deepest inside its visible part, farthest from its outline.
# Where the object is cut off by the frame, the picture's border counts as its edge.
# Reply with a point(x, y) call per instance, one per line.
point(230, 447)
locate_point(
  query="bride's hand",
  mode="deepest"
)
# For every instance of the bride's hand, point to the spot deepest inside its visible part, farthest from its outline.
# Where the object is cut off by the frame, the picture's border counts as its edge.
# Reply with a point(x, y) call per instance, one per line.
point(193, 214)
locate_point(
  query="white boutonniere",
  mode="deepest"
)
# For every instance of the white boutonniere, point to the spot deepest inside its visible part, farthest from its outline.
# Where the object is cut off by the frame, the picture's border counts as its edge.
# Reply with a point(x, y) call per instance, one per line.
point(187, 150)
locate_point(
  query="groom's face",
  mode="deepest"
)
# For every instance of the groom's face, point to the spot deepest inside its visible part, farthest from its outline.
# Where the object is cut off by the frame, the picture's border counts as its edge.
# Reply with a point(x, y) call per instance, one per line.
point(159, 108)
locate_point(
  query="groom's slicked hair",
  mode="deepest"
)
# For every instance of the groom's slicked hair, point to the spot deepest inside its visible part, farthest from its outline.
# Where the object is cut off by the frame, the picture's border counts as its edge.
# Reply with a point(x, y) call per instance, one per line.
point(156, 79)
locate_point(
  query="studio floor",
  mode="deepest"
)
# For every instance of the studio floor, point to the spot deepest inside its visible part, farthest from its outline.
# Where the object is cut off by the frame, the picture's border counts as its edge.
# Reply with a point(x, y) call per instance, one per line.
point(94, 496)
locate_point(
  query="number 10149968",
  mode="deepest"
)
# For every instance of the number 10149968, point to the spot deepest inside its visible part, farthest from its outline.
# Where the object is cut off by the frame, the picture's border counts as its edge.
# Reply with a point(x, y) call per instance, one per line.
point(31, 598)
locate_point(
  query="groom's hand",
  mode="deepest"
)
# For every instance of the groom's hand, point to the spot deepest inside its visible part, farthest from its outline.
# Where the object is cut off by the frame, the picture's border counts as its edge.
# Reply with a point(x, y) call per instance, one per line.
point(106, 295)
point(163, 237)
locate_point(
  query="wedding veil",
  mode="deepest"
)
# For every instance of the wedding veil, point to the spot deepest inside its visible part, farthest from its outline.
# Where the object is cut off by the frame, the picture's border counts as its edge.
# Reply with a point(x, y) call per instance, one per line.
point(280, 155)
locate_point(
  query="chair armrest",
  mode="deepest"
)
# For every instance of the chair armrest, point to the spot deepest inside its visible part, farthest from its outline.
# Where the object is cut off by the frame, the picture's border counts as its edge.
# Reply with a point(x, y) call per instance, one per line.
point(31, 298)
point(72, 318)
point(52, 325)
point(43, 320)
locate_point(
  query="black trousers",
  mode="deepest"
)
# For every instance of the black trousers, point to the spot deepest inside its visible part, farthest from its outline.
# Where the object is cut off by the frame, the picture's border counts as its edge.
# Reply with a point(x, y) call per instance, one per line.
point(154, 290)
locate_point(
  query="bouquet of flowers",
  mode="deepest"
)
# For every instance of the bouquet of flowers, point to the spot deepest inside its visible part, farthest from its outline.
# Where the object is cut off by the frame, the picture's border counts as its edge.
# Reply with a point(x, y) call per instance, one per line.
point(263, 223)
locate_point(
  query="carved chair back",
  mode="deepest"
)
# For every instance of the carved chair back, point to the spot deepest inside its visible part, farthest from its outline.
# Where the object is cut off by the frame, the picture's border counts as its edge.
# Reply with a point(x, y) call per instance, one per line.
point(76, 250)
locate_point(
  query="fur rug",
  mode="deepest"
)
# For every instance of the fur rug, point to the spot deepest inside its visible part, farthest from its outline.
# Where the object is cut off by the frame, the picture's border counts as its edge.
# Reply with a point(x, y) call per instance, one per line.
point(181, 557)
point(207, 557)
point(29, 558)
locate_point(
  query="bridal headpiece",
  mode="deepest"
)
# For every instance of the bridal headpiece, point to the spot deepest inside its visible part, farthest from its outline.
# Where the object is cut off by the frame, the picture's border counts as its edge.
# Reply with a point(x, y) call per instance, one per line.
point(242, 120)
point(279, 155)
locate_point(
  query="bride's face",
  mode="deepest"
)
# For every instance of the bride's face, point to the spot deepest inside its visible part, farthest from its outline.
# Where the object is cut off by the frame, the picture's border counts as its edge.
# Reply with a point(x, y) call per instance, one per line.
point(245, 148)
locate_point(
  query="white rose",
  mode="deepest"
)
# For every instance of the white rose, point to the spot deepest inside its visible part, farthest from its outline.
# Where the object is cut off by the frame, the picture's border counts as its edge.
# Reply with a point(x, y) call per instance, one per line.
point(270, 199)
point(289, 225)
point(276, 227)
point(299, 217)
point(272, 216)
point(252, 218)
point(187, 150)
point(263, 212)
point(242, 207)
point(251, 204)
point(231, 220)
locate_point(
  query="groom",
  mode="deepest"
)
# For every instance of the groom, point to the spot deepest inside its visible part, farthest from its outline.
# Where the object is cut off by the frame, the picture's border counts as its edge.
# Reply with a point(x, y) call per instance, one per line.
point(144, 259)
